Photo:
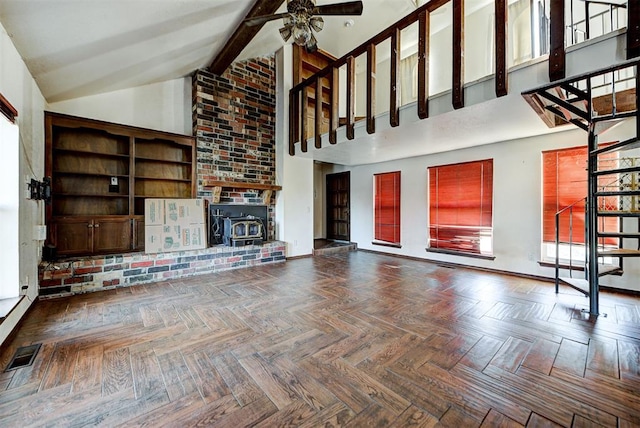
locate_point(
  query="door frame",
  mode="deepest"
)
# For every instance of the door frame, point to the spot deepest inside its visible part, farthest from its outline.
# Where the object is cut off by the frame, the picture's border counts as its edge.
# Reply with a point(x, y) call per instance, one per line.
point(329, 205)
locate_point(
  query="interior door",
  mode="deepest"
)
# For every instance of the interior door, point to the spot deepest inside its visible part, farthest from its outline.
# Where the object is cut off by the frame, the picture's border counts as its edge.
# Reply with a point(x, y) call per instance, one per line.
point(338, 206)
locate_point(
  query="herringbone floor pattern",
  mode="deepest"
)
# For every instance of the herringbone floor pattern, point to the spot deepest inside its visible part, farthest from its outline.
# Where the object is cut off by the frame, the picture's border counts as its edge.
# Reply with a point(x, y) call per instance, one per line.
point(355, 339)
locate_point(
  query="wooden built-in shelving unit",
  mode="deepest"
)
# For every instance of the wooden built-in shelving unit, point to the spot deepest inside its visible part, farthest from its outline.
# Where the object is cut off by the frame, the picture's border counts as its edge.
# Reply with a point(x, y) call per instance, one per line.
point(101, 174)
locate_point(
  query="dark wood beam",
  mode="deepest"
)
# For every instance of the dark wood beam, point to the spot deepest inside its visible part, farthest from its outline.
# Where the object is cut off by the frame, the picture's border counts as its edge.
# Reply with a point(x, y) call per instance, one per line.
point(242, 36)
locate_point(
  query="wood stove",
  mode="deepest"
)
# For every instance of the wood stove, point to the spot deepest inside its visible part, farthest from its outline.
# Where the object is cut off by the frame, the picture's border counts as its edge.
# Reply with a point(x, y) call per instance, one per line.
point(237, 225)
point(239, 231)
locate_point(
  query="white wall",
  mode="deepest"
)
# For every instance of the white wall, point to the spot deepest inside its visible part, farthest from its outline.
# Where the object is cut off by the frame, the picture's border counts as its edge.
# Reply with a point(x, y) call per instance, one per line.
point(294, 203)
point(18, 86)
point(517, 199)
point(164, 106)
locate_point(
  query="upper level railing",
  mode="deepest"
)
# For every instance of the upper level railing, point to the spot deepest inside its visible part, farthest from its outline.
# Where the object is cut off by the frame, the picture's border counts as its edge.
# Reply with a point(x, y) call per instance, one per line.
point(327, 100)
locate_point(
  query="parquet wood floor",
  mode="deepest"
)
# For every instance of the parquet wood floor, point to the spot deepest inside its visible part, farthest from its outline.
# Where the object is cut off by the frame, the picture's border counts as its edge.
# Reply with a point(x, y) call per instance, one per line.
point(354, 339)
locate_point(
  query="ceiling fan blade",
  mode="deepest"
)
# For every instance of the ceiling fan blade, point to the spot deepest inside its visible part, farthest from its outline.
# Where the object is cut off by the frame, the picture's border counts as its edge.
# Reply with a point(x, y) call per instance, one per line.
point(348, 8)
point(259, 20)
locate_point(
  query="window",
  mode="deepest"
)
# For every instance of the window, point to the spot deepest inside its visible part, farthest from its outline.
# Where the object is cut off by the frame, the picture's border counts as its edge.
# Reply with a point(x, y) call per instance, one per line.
point(387, 208)
point(564, 184)
point(460, 207)
point(9, 201)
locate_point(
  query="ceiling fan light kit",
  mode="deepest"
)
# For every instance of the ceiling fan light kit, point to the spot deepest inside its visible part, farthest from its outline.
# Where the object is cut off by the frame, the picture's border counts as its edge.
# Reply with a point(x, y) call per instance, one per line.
point(301, 20)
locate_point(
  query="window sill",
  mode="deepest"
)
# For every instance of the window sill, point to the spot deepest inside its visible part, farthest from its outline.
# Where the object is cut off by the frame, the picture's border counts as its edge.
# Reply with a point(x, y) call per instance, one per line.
point(460, 253)
point(8, 305)
point(386, 244)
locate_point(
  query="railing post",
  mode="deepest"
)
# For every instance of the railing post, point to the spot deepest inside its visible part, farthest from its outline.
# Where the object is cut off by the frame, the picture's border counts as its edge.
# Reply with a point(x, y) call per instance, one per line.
point(371, 88)
point(423, 65)
point(294, 117)
point(394, 94)
point(318, 114)
point(304, 109)
point(571, 242)
point(351, 99)
point(592, 223)
point(334, 112)
point(502, 23)
point(557, 250)
point(633, 29)
point(457, 85)
point(557, 50)
point(587, 24)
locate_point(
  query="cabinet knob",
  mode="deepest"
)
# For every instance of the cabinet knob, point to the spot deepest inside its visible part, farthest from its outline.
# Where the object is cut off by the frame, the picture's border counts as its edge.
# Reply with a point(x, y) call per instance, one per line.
point(90, 226)
point(96, 225)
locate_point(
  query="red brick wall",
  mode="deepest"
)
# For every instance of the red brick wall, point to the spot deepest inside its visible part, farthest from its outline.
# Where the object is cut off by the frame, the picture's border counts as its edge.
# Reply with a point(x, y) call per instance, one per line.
point(234, 125)
point(234, 118)
point(107, 272)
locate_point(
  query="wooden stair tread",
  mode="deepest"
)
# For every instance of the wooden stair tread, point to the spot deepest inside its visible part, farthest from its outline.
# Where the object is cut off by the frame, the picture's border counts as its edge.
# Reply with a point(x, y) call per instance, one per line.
point(618, 170)
point(613, 213)
point(582, 285)
point(631, 235)
point(619, 193)
point(605, 269)
point(620, 252)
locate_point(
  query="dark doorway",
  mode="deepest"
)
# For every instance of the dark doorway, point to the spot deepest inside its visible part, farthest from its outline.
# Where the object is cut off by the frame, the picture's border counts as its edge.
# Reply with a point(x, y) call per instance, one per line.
point(338, 206)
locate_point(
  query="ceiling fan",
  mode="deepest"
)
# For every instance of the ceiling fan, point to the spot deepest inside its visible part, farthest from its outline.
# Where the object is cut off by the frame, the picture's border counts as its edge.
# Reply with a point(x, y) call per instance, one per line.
point(303, 17)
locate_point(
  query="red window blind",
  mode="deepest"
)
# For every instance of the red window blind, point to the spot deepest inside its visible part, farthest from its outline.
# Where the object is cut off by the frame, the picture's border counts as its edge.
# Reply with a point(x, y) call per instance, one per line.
point(387, 207)
point(564, 182)
point(460, 206)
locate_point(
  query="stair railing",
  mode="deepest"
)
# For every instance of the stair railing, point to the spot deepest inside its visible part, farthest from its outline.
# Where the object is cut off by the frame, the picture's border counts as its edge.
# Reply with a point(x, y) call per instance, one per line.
point(569, 209)
point(583, 25)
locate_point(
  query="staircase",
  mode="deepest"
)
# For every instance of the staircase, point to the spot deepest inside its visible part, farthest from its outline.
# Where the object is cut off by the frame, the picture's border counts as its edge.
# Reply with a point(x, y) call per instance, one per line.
point(595, 102)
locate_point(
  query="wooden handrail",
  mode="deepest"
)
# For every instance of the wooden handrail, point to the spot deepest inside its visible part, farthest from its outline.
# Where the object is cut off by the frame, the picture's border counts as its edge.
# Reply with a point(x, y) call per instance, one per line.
point(299, 94)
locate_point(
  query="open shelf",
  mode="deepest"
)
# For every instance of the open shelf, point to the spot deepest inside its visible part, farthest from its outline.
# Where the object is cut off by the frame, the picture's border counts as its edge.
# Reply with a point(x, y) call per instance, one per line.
point(76, 152)
point(99, 170)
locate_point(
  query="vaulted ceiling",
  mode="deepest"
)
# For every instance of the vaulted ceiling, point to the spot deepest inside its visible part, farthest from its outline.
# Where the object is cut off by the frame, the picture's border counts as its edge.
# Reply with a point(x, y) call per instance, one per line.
point(76, 48)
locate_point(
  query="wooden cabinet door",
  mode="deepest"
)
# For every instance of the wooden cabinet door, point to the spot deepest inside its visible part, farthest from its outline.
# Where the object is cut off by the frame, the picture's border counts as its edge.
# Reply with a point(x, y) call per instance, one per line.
point(72, 236)
point(138, 234)
point(111, 235)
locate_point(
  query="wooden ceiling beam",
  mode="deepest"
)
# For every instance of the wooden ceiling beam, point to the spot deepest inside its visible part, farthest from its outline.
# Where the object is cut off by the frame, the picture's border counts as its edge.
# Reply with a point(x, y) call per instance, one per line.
point(242, 36)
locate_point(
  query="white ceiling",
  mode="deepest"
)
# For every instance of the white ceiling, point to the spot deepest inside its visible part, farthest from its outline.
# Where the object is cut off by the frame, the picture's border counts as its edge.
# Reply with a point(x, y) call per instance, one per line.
point(77, 48)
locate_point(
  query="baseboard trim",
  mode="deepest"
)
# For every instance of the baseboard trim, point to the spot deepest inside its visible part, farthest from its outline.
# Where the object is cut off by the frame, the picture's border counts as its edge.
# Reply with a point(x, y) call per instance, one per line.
point(304, 256)
point(18, 325)
point(608, 289)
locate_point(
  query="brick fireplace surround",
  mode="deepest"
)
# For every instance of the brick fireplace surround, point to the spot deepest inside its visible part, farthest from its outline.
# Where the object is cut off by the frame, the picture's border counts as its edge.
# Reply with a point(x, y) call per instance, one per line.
point(234, 126)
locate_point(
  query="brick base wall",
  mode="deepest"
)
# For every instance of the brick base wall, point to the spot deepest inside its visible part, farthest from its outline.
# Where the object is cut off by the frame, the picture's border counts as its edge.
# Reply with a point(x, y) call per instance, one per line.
point(107, 272)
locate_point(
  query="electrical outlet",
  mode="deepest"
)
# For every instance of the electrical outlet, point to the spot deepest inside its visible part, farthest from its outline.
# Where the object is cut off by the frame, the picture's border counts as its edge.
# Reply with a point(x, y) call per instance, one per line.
point(40, 233)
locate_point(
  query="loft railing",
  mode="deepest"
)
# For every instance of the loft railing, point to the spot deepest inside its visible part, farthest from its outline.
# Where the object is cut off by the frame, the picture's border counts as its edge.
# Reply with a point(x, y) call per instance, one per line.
point(321, 92)
point(593, 18)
